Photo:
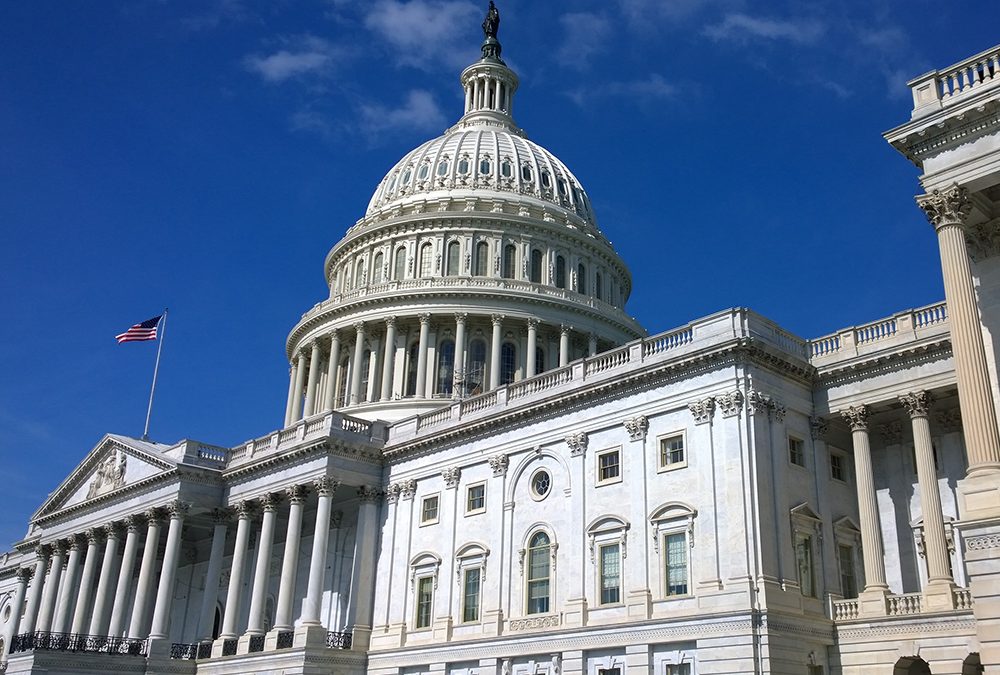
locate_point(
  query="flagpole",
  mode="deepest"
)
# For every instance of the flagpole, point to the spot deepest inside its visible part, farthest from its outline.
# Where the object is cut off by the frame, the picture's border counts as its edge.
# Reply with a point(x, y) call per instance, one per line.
point(156, 369)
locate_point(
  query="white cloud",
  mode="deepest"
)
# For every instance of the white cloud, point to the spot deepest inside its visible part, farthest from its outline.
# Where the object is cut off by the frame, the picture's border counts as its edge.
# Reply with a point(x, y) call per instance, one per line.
point(742, 27)
point(424, 32)
point(654, 87)
point(419, 112)
point(586, 36)
point(309, 55)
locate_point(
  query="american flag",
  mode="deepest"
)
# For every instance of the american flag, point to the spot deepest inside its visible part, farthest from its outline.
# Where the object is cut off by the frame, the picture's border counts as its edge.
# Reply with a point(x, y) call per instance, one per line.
point(141, 331)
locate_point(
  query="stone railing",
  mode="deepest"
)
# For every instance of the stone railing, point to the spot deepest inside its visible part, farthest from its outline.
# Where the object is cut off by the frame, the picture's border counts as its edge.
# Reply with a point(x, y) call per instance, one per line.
point(904, 604)
point(882, 334)
point(939, 88)
point(844, 610)
point(335, 640)
point(74, 642)
point(331, 424)
point(962, 599)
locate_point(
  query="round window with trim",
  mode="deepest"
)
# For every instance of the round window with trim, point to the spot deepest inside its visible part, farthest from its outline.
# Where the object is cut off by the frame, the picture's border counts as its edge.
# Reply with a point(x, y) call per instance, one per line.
point(541, 484)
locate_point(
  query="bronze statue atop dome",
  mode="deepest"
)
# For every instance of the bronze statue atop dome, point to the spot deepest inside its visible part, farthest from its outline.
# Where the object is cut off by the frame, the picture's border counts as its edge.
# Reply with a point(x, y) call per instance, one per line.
point(491, 24)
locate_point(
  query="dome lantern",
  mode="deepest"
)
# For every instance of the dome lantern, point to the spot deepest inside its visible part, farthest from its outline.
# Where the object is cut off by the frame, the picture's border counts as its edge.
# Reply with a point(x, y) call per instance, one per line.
point(489, 84)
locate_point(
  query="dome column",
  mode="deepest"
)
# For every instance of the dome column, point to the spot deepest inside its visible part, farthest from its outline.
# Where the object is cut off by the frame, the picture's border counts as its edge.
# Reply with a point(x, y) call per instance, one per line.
point(532, 365)
point(495, 350)
point(592, 345)
point(310, 405)
point(300, 381)
point(563, 345)
point(331, 370)
point(458, 368)
point(359, 353)
point(425, 325)
point(293, 370)
point(389, 358)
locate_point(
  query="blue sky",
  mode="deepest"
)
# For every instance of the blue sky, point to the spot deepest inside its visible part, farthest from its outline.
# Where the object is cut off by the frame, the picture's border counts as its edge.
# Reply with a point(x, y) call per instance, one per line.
point(205, 155)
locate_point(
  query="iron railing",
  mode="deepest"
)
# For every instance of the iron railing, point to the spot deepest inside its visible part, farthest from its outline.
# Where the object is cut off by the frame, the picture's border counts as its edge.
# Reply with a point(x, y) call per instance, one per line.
point(74, 642)
point(229, 647)
point(256, 643)
point(285, 639)
point(205, 650)
point(185, 651)
point(336, 640)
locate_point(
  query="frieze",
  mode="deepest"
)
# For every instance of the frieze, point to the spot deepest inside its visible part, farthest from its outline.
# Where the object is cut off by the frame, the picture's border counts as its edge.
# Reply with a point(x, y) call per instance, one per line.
point(534, 623)
point(983, 542)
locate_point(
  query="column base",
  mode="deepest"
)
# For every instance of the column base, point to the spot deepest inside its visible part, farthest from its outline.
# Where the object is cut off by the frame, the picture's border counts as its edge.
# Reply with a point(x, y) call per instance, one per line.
point(939, 596)
point(872, 602)
point(310, 637)
point(158, 647)
point(979, 496)
point(219, 645)
point(361, 636)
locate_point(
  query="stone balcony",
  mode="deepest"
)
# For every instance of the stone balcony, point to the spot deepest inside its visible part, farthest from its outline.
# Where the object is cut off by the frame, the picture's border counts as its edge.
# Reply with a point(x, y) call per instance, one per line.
point(940, 89)
point(903, 604)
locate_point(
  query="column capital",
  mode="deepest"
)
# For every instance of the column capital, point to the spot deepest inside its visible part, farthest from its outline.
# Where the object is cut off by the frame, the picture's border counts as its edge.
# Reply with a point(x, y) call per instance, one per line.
point(424, 318)
point(637, 427)
point(296, 494)
point(499, 464)
point(392, 493)
point(950, 206)
point(74, 542)
point(564, 328)
point(460, 317)
point(856, 417)
point(133, 522)
point(577, 443)
point(367, 493)
point(177, 509)
point(917, 403)
point(359, 327)
point(222, 516)
point(244, 509)
point(334, 337)
point(390, 321)
point(325, 486)
point(269, 502)
point(302, 356)
point(59, 547)
point(23, 574)
point(451, 476)
point(702, 410)
point(155, 514)
point(533, 322)
point(113, 531)
point(43, 551)
point(818, 427)
point(497, 319)
point(94, 535)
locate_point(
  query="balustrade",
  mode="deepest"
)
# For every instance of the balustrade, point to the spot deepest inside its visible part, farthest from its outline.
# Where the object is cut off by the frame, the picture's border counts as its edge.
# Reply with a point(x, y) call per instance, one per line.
point(335, 640)
point(905, 604)
point(75, 642)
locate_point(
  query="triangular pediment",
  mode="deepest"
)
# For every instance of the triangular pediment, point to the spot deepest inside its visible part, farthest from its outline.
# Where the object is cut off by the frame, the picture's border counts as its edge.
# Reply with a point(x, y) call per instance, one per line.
point(114, 464)
point(804, 511)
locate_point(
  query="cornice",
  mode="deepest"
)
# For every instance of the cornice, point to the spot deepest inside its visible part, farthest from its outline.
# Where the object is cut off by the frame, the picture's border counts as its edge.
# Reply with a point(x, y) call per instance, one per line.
point(860, 367)
point(124, 491)
point(359, 453)
point(946, 128)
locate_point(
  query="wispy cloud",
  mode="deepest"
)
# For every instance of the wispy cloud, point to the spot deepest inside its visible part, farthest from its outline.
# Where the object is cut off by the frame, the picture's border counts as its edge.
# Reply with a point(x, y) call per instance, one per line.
point(587, 35)
point(426, 32)
point(303, 55)
point(742, 28)
point(418, 112)
point(653, 87)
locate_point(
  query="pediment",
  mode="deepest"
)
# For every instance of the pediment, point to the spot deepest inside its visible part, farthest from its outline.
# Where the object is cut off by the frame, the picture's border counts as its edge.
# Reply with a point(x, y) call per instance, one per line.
point(803, 510)
point(114, 464)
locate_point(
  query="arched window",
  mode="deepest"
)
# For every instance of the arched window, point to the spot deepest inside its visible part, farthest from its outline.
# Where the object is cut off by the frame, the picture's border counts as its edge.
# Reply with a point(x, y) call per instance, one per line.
point(506, 168)
point(359, 274)
point(536, 266)
point(423, 171)
point(546, 179)
point(343, 393)
point(411, 370)
point(443, 167)
point(377, 269)
point(539, 360)
point(560, 271)
point(482, 259)
point(581, 279)
point(477, 366)
point(366, 363)
point(426, 260)
point(399, 264)
point(508, 362)
point(446, 367)
point(597, 286)
point(539, 574)
point(463, 166)
point(509, 261)
point(454, 256)
point(526, 173)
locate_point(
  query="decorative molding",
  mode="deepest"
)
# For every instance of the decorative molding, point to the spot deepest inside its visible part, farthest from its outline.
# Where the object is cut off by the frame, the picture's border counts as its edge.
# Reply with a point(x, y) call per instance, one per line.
point(730, 403)
point(577, 444)
point(917, 403)
point(534, 622)
point(950, 420)
point(818, 427)
point(392, 493)
point(408, 488)
point(983, 542)
point(637, 427)
point(856, 417)
point(983, 240)
point(702, 410)
point(368, 494)
point(499, 464)
point(451, 476)
point(950, 206)
point(891, 432)
point(110, 475)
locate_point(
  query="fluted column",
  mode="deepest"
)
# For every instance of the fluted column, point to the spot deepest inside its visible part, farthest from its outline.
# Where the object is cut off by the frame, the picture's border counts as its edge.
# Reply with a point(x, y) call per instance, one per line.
point(82, 612)
point(592, 345)
point(51, 586)
point(133, 523)
point(947, 211)
point(269, 505)
point(68, 585)
point(310, 404)
point(563, 345)
point(16, 606)
point(290, 559)
point(244, 511)
point(389, 358)
point(102, 598)
point(425, 326)
point(497, 339)
point(871, 531)
point(357, 364)
point(293, 369)
point(363, 574)
point(35, 592)
point(300, 382)
point(325, 488)
point(918, 406)
point(171, 554)
point(147, 573)
point(460, 319)
point(532, 362)
point(331, 371)
point(210, 595)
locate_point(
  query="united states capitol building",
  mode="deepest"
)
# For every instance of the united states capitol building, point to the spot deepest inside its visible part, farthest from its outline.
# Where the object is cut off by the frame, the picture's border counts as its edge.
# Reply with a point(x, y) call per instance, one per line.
point(487, 467)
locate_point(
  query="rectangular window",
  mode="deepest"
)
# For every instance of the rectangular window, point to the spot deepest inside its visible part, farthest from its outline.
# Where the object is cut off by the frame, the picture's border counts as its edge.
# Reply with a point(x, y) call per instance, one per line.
point(838, 468)
point(609, 467)
point(676, 549)
point(804, 562)
point(470, 595)
point(848, 581)
point(796, 451)
point(609, 671)
point(611, 580)
point(425, 601)
point(475, 498)
point(672, 452)
point(679, 669)
point(429, 510)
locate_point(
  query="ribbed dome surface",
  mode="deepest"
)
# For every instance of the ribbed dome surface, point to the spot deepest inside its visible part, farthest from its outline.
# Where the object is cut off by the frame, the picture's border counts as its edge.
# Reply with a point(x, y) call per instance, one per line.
point(481, 157)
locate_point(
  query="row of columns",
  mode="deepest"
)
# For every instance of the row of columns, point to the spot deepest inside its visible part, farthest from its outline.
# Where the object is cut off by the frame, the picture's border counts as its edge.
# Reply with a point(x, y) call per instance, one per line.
point(940, 583)
point(306, 369)
point(65, 600)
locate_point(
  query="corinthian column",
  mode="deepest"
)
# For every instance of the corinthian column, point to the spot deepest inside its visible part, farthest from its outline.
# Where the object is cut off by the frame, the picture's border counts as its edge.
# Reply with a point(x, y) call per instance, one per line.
point(165, 590)
point(35, 592)
point(357, 364)
point(871, 531)
point(48, 607)
point(16, 606)
point(244, 510)
point(144, 587)
point(425, 326)
point(495, 350)
point(290, 559)
point(67, 592)
point(133, 523)
point(563, 345)
point(389, 358)
point(331, 371)
point(86, 592)
point(102, 599)
point(947, 211)
point(255, 624)
point(325, 488)
point(300, 382)
point(293, 370)
point(310, 404)
point(459, 369)
point(210, 595)
point(531, 360)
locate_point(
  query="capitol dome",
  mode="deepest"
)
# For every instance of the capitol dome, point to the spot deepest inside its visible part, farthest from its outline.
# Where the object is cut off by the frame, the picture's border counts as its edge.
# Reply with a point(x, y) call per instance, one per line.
point(478, 264)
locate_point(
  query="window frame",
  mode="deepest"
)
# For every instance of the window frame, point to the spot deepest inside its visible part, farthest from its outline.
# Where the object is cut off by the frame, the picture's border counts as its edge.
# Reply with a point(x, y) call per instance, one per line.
point(526, 558)
point(806, 525)
point(417, 603)
point(539, 496)
point(796, 448)
point(424, 520)
point(665, 537)
point(845, 471)
point(471, 556)
point(601, 574)
point(670, 519)
point(469, 510)
point(662, 467)
point(464, 595)
point(617, 478)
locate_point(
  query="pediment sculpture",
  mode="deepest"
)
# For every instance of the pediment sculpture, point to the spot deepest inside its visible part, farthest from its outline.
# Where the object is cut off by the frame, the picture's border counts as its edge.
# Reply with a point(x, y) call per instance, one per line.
point(110, 475)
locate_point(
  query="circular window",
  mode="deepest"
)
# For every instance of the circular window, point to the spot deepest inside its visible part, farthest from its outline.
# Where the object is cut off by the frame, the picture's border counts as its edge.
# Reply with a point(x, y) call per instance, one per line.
point(6, 614)
point(541, 483)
